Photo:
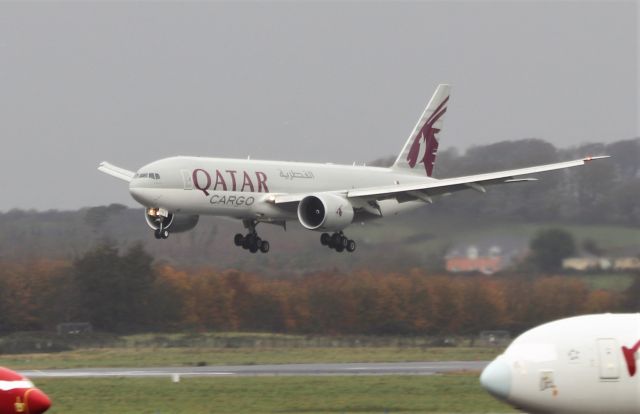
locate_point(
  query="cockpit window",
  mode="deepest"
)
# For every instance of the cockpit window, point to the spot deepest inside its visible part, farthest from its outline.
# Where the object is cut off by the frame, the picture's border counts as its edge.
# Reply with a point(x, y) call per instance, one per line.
point(153, 176)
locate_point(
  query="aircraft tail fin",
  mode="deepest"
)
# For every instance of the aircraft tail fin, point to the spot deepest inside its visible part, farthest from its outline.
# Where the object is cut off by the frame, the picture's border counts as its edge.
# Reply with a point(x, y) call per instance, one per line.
point(117, 172)
point(422, 145)
point(630, 359)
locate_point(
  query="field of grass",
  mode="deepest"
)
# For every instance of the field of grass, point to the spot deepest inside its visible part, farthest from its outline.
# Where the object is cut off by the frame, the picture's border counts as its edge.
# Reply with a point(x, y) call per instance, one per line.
point(439, 231)
point(616, 282)
point(359, 394)
point(149, 357)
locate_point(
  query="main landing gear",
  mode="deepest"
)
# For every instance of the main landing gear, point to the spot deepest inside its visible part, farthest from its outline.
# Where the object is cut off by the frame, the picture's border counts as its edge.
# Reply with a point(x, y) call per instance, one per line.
point(338, 241)
point(251, 241)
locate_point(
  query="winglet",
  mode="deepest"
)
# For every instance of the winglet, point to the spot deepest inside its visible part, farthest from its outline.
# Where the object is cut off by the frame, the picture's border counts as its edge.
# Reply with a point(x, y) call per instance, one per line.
point(117, 172)
point(596, 157)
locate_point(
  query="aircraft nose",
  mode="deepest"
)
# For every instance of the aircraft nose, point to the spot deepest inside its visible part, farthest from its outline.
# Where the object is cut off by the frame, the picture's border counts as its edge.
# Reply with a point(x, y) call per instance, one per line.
point(37, 401)
point(142, 195)
point(496, 378)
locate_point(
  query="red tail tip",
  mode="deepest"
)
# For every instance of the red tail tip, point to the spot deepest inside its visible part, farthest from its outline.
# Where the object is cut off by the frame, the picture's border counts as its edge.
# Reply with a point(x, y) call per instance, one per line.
point(630, 359)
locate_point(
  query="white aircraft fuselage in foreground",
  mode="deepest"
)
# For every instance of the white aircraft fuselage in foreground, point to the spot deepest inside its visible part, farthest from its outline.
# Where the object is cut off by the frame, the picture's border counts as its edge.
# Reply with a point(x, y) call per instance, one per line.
point(580, 365)
point(322, 197)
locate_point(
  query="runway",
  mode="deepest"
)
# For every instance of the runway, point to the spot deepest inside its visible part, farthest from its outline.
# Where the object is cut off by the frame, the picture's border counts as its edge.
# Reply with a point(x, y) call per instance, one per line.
point(392, 368)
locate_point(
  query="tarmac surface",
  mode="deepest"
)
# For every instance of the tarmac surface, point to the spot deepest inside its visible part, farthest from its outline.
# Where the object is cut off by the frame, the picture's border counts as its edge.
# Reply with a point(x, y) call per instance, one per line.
point(392, 368)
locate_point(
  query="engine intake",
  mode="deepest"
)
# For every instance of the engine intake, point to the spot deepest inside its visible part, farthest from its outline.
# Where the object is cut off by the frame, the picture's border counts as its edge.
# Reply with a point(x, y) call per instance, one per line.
point(325, 212)
point(174, 222)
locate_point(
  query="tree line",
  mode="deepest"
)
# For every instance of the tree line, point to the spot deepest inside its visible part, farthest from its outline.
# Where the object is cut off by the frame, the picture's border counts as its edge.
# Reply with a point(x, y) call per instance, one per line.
point(125, 292)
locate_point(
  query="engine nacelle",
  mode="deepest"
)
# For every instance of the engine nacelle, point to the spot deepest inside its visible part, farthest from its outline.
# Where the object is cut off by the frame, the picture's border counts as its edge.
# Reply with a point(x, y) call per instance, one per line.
point(172, 222)
point(325, 212)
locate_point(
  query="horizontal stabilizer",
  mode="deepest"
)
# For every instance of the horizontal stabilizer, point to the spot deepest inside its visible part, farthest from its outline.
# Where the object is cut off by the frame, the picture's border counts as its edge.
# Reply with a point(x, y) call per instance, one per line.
point(117, 172)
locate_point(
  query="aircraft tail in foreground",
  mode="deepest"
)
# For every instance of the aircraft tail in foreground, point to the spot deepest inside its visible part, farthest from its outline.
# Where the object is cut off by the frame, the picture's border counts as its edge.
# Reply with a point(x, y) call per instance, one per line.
point(19, 395)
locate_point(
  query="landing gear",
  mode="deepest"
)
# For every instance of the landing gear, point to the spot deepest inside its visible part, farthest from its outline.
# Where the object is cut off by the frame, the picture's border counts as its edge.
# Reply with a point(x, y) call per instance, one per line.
point(159, 220)
point(161, 233)
point(251, 241)
point(338, 241)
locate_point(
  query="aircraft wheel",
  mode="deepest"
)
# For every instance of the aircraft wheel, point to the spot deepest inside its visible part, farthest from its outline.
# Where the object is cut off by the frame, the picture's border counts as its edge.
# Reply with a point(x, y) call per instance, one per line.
point(336, 239)
point(264, 246)
point(246, 242)
point(157, 234)
point(351, 246)
point(344, 241)
point(164, 234)
point(238, 239)
point(325, 238)
point(339, 248)
point(253, 248)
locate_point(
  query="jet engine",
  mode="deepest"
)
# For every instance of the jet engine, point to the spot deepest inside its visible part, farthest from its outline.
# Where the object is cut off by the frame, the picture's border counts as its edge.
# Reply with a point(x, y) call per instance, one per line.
point(325, 212)
point(173, 222)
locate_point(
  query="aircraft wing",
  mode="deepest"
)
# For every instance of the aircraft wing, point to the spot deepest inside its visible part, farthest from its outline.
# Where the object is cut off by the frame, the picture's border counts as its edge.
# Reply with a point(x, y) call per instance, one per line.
point(117, 172)
point(423, 191)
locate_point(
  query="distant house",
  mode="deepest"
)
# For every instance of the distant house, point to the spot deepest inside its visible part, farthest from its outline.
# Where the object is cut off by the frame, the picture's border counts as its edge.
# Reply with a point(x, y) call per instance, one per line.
point(74, 328)
point(582, 264)
point(588, 263)
point(626, 263)
point(486, 265)
point(486, 257)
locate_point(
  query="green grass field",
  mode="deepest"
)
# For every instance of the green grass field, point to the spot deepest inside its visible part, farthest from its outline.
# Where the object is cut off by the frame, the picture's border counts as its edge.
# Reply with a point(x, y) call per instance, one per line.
point(330, 394)
point(451, 393)
point(459, 230)
point(615, 282)
point(149, 357)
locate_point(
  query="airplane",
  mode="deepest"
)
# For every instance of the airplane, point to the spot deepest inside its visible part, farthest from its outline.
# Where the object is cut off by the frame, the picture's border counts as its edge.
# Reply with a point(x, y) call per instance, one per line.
point(325, 198)
point(584, 364)
point(18, 395)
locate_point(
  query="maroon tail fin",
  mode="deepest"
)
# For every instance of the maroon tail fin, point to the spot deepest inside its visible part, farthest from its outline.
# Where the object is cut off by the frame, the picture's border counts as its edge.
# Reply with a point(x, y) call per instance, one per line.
point(422, 145)
point(630, 358)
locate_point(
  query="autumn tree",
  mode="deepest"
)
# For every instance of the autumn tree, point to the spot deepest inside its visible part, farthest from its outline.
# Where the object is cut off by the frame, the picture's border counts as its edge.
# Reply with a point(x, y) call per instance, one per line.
point(5, 324)
point(484, 305)
point(172, 300)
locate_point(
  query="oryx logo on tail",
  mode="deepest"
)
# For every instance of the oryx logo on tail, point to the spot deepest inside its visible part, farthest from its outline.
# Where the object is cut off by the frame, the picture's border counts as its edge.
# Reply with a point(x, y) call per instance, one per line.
point(423, 142)
point(426, 139)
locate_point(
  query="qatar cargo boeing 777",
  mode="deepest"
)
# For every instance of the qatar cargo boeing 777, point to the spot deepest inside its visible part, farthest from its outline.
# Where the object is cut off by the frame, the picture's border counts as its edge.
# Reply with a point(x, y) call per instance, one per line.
point(322, 197)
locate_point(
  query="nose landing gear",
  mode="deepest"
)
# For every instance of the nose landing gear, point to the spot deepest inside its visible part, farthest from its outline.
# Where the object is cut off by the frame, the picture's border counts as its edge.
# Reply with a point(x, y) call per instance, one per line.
point(160, 220)
point(161, 233)
point(251, 241)
point(338, 241)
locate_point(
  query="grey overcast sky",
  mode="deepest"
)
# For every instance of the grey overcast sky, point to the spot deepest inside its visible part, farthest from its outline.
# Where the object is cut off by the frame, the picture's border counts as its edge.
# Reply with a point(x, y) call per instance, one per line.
point(331, 81)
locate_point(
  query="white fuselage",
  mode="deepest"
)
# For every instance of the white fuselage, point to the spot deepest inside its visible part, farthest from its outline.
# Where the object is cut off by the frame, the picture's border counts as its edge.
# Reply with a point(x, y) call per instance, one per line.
point(241, 188)
point(574, 365)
